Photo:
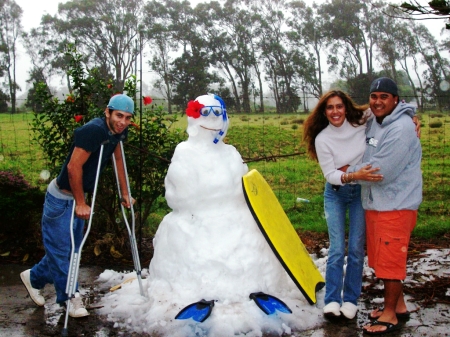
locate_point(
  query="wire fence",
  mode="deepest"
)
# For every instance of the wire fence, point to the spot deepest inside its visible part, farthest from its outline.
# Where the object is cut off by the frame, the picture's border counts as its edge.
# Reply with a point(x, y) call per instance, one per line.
point(18, 152)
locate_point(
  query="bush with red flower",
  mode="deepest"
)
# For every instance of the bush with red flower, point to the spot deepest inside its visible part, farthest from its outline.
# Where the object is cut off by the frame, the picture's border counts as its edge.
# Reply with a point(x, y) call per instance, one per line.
point(147, 100)
point(149, 139)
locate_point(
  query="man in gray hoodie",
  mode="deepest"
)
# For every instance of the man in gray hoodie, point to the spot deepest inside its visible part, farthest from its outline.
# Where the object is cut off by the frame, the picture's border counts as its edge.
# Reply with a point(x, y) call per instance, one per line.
point(391, 205)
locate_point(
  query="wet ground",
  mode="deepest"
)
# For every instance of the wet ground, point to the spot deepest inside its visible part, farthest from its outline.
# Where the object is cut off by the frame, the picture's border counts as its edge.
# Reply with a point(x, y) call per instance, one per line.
point(19, 316)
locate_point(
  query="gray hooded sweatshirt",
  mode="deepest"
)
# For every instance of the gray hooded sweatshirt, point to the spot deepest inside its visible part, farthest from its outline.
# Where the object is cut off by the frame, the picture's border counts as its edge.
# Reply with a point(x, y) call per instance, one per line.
point(394, 147)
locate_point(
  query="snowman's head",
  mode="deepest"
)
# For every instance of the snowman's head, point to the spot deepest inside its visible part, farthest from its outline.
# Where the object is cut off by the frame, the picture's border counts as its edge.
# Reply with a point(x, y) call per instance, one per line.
point(207, 114)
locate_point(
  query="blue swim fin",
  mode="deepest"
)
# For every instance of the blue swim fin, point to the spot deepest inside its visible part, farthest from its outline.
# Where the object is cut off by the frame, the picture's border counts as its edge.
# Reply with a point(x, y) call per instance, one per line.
point(198, 311)
point(269, 304)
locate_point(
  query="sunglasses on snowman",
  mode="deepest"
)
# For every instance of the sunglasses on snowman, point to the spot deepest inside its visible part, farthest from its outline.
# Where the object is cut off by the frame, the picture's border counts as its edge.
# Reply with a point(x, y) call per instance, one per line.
point(215, 109)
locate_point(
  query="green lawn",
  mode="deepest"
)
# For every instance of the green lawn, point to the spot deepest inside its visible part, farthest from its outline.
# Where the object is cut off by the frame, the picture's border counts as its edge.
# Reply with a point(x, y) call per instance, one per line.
point(271, 144)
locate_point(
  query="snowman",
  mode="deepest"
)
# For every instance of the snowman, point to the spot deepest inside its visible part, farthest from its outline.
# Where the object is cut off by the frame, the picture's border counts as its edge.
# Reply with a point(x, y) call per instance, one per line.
point(210, 258)
point(210, 240)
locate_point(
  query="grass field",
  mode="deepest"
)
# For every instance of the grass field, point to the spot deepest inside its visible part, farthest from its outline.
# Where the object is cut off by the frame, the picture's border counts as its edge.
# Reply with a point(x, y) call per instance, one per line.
point(272, 144)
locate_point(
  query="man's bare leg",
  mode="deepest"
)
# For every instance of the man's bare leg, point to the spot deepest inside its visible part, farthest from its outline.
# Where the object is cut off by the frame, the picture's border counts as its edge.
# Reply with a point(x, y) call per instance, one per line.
point(393, 301)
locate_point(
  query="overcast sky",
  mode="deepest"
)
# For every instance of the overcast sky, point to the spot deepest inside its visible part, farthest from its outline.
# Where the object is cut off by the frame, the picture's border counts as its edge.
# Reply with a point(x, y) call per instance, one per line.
point(33, 11)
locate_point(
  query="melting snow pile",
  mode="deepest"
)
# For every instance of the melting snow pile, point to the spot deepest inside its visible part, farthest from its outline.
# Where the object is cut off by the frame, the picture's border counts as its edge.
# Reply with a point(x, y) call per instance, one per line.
point(209, 247)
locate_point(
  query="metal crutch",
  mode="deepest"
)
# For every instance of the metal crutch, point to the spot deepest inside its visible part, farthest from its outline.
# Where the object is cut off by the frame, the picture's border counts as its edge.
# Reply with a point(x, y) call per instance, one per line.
point(131, 231)
point(75, 257)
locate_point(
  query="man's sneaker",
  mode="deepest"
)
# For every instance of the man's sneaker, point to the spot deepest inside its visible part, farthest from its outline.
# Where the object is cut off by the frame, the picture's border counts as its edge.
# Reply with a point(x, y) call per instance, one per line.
point(349, 310)
point(332, 310)
point(35, 294)
point(76, 308)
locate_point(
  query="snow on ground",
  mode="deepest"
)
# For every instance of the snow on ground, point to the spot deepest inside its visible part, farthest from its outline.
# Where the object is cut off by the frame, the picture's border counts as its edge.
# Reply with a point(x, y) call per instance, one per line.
point(433, 263)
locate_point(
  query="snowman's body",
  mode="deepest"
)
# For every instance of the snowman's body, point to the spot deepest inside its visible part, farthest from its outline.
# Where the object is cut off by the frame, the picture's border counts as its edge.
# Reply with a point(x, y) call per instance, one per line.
point(224, 244)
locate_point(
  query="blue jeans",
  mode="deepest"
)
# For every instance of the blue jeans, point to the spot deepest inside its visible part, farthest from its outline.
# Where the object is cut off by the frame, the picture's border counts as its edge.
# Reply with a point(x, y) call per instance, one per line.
point(336, 204)
point(54, 266)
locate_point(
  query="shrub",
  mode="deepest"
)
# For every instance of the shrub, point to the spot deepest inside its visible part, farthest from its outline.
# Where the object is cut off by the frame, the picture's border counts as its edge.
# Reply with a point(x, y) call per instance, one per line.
point(20, 204)
point(298, 121)
point(148, 150)
point(436, 124)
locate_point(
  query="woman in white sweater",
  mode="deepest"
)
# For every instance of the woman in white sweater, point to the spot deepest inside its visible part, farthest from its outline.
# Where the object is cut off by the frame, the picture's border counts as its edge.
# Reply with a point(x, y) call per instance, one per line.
point(335, 136)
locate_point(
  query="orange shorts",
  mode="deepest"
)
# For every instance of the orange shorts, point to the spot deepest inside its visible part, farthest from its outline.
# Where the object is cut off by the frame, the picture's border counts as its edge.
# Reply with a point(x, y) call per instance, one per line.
point(388, 235)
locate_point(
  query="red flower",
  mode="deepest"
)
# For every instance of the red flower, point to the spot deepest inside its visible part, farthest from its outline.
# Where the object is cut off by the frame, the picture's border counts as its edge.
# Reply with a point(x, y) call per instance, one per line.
point(78, 118)
point(193, 109)
point(147, 100)
point(70, 99)
point(109, 86)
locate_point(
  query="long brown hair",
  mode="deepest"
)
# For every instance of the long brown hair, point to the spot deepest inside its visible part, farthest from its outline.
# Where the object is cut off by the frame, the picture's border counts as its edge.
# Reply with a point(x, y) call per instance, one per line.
point(317, 120)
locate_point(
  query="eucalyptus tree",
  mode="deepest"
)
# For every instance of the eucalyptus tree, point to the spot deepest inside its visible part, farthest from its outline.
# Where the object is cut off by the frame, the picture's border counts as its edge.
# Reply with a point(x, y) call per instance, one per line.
point(47, 54)
point(396, 45)
point(408, 58)
point(230, 40)
point(307, 36)
point(43, 52)
point(257, 56)
point(440, 8)
point(279, 60)
point(187, 72)
point(104, 30)
point(162, 45)
point(345, 26)
point(218, 44)
point(388, 31)
point(239, 28)
point(437, 68)
point(10, 31)
point(348, 25)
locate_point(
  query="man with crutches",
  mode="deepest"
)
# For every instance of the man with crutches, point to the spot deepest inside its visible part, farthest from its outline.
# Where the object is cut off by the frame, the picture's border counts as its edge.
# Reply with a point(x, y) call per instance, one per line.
point(94, 144)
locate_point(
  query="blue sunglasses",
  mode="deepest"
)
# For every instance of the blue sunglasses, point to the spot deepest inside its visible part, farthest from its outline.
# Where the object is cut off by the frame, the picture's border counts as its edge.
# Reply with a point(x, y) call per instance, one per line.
point(215, 109)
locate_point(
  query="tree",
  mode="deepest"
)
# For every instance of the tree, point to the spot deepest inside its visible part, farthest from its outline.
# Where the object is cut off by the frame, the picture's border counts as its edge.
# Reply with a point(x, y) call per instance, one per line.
point(10, 30)
point(159, 31)
point(219, 45)
point(437, 68)
point(104, 31)
point(440, 8)
point(36, 78)
point(3, 99)
point(345, 25)
point(307, 36)
point(231, 47)
point(237, 24)
point(387, 29)
point(47, 53)
point(190, 77)
point(279, 59)
point(172, 26)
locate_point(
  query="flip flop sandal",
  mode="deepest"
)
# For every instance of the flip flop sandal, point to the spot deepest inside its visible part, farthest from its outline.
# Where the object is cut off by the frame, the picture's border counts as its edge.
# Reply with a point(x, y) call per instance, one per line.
point(389, 328)
point(401, 315)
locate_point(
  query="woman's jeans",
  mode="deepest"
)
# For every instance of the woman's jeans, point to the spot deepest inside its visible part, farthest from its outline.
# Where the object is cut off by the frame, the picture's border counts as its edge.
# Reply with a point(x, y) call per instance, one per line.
point(54, 266)
point(348, 197)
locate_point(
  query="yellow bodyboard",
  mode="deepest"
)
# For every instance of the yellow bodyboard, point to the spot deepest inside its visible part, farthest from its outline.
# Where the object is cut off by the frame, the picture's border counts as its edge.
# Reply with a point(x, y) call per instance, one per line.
point(281, 235)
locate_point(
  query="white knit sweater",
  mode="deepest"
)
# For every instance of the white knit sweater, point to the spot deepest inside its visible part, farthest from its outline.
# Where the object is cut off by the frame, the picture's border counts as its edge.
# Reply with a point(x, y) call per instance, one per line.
point(339, 146)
